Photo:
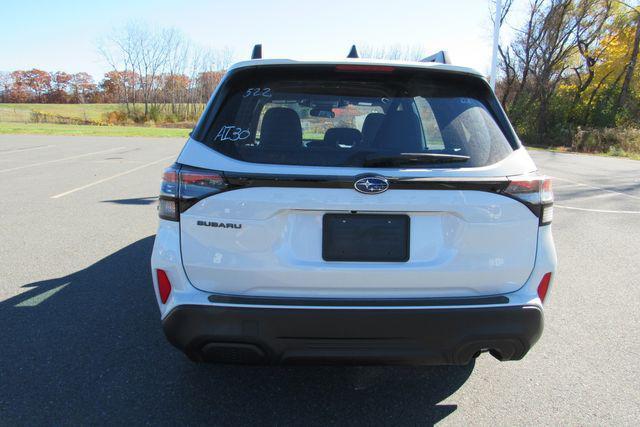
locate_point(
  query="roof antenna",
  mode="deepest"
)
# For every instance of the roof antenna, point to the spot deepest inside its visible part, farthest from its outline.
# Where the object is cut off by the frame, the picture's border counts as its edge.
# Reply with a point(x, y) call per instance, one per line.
point(441, 57)
point(353, 53)
point(257, 52)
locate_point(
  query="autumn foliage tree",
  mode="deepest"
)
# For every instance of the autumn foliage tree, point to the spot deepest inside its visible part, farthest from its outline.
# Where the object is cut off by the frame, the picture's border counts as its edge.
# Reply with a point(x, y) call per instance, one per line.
point(570, 66)
point(38, 86)
point(60, 82)
point(157, 74)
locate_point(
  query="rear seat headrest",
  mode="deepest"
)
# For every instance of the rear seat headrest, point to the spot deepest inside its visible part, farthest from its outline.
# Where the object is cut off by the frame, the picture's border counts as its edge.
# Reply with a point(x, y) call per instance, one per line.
point(400, 131)
point(281, 129)
point(342, 136)
point(370, 126)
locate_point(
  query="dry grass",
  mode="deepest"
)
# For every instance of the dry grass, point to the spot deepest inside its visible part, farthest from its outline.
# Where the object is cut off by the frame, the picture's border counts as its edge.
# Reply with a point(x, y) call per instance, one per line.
point(88, 130)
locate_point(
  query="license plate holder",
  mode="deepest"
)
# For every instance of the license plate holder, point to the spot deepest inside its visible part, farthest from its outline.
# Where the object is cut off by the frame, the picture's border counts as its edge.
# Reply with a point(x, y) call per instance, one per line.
point(365, 237)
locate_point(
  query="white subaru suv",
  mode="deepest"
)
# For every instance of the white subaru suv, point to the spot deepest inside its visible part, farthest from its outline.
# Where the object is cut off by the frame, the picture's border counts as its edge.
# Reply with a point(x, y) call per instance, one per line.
point(353, 211)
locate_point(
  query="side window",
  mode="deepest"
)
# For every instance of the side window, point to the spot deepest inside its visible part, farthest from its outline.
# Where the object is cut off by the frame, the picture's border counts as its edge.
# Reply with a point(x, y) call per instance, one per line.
point(430, 129)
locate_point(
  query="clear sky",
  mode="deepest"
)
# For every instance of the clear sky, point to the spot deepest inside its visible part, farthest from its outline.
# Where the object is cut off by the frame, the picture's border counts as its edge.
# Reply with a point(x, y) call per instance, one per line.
point(62, 34)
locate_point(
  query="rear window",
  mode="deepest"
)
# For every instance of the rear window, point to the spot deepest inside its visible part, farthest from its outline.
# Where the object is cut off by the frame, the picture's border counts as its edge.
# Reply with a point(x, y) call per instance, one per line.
point(325, 116)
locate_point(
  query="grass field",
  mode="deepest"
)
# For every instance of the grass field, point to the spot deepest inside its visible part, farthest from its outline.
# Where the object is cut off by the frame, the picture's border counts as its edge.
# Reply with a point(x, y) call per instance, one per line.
point(22, 112)
point(17, 119)
point(88, 130)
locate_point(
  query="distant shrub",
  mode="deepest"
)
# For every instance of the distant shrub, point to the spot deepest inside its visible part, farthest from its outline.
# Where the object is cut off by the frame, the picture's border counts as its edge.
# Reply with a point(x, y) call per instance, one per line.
point(615, 141)
point(171, 118)
point(616, 151)
point(40, 117)
point(178, 125)
point(115, 118)
point(157, 115)
point(154, 114)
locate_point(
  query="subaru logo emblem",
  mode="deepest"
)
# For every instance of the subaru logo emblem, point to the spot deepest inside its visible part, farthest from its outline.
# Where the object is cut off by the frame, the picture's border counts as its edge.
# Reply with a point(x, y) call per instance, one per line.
point(371, 185)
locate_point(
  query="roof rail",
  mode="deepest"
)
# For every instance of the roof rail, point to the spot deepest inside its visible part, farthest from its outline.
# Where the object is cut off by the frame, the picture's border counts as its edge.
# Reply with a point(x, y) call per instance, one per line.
point(353, 53)
point(257, 52)
point(441, 57)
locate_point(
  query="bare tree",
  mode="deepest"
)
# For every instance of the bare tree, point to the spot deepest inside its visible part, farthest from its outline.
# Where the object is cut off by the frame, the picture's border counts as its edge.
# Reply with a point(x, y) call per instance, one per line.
point(506, 60)
point(164, 65)
point(141, 50)
point(524, 46)
point(178, 50)
point(221, 59)
point(5, 85)
point(393, 52)
point(119, 51)
point(154, 47)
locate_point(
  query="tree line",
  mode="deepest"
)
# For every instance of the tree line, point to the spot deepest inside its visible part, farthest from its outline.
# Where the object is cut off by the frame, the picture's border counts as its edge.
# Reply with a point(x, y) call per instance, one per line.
point(178, 94)
point(571, 67)
point(154, 71)
point(38, 86)
point(59, 87)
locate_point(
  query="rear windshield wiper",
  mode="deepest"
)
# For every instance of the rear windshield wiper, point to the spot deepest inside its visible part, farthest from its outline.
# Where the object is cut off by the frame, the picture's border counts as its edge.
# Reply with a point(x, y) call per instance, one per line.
point(411, 158)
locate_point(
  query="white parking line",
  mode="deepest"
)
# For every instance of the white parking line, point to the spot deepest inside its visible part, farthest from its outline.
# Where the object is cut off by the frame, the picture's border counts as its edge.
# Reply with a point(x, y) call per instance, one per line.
point(566, 185)
point(57, 196)
point(60, 160)
point(597, 188)
point(596, 210)
point(40, 298)
point(588, 197)
point(20, 150)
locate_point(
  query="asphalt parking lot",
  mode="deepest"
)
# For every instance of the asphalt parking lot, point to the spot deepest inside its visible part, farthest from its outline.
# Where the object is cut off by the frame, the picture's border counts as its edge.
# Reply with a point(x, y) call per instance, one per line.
point(81, 341)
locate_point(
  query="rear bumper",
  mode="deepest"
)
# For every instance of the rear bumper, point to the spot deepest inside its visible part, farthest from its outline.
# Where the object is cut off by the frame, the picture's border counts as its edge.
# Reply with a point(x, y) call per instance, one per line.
point(433, 336)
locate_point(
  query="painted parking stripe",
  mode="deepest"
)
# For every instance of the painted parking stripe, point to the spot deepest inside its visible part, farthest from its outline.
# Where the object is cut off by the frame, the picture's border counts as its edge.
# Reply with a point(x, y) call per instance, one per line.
point(587, 197)
point(598, 188)
point(21, 150)
point(60, 160)
point(596, 210)
point(566, 185)
point(40, 298)
point(100, 181)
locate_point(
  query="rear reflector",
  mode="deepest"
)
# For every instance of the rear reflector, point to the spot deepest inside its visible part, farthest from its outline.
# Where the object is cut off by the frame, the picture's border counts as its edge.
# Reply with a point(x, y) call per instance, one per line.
point(164, 285)
point(543, 287)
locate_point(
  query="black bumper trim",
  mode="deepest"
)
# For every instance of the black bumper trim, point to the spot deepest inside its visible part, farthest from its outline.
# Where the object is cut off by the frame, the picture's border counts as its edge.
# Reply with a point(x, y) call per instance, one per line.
point(240, 180)
point(433, 336)
point(356, 302)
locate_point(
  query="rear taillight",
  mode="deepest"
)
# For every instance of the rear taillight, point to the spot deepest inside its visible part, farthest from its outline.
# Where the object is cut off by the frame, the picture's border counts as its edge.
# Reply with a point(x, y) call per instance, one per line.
point(168, 201)
point(183, 186)
point(536, 193)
